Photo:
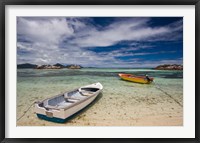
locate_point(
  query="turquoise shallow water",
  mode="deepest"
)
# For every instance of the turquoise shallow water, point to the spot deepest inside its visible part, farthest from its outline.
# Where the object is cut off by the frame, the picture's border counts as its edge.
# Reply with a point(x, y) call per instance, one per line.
point(34, 85)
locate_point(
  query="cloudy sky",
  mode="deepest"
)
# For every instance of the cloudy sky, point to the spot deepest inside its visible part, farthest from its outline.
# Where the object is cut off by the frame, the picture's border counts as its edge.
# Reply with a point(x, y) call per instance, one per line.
point(100, 41)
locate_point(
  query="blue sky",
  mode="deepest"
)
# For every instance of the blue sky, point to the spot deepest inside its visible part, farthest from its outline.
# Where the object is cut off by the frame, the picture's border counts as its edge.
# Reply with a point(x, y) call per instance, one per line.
point(132, 42)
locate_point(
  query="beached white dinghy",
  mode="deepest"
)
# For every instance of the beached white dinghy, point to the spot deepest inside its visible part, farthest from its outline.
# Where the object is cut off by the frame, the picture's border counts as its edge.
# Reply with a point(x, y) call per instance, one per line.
point(60, 107)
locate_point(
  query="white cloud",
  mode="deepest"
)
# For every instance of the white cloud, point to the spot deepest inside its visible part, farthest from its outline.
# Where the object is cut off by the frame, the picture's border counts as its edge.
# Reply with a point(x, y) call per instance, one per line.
point(119, 31)
point(49, 30)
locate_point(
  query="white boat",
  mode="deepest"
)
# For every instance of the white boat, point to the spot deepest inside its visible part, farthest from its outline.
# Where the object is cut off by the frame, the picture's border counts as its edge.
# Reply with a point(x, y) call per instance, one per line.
point(60, 107)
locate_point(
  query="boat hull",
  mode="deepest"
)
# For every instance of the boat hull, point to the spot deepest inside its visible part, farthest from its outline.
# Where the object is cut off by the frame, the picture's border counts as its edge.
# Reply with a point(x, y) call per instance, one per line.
point(53, 119)
point(63, 114)
point(57, 116)
point(130, 77)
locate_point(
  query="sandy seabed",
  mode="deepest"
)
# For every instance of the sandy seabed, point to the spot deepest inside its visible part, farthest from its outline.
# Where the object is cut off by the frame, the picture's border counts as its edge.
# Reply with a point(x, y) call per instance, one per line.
point(123, 104)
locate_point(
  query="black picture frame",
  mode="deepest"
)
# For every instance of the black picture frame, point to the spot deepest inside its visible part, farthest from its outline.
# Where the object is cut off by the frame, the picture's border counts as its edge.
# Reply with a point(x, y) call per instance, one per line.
point(4, 3)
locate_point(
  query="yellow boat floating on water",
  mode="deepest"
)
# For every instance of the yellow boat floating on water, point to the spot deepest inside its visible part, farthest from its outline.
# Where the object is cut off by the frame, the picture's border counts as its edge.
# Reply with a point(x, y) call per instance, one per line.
point(137, 79)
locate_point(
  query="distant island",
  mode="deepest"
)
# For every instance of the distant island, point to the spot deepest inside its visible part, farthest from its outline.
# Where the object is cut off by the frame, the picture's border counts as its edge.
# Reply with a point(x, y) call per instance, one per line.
point(73, 66)
point(56, 66)
point(169, 67)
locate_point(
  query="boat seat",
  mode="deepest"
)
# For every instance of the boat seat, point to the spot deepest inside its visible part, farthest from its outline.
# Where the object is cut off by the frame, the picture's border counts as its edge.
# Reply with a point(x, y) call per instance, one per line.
point(71, 100)
point(86, 93)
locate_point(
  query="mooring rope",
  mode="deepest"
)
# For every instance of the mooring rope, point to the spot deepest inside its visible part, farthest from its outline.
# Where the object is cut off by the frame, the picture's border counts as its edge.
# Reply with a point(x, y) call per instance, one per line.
point(159, 88)
point(26, 111)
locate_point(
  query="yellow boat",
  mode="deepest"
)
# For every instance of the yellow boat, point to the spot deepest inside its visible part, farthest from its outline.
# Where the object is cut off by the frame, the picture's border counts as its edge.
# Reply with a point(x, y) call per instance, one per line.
point(137, 79)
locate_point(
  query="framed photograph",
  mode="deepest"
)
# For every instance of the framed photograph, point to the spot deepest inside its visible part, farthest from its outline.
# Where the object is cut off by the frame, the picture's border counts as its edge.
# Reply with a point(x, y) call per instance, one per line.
point(99, 71)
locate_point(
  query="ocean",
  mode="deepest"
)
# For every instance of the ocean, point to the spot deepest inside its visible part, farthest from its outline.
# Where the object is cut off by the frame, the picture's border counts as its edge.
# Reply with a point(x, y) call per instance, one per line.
point(120, 100)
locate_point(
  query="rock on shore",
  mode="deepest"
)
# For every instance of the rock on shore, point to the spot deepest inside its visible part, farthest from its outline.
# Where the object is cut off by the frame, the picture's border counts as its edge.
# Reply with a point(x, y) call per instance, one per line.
point(58, 66)
point(48, 67)
point(169, 67)
point(73, 67)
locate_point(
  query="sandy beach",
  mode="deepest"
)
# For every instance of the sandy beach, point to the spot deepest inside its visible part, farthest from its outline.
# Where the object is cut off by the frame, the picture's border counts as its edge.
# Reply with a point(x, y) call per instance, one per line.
point(120, 104)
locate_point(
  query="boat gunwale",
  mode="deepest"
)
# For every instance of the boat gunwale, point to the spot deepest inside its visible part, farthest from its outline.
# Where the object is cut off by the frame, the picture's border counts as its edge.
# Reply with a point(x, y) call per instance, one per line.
point(73, 104)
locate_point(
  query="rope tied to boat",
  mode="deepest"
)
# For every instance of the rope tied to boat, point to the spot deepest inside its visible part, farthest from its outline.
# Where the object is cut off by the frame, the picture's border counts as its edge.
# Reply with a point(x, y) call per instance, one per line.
point(159, 88)
point(26, 111)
